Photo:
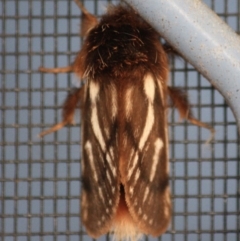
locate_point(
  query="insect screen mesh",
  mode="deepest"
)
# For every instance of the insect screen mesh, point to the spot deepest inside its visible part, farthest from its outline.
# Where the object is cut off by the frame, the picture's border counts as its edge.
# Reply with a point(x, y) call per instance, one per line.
point(40, 178)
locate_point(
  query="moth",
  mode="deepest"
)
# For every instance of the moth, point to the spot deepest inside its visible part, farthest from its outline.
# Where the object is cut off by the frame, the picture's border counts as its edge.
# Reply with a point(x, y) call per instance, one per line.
point(124, 103)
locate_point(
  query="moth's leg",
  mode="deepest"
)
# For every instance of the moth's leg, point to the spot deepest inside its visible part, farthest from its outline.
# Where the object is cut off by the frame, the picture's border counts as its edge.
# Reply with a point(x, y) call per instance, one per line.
point(88, 22)
point(57, 70)
point(180, 101)
point(69, 107)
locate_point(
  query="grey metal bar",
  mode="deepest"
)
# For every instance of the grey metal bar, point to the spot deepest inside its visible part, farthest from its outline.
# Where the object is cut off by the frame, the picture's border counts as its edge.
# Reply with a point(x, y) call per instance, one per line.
point(207, 42)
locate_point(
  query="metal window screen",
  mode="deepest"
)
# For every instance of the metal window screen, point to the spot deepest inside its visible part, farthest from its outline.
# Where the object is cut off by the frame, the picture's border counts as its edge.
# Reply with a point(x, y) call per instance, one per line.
point(40, 179)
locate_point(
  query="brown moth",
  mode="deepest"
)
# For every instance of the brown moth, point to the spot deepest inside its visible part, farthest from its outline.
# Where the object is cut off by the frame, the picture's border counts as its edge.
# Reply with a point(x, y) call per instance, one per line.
point(123, 101)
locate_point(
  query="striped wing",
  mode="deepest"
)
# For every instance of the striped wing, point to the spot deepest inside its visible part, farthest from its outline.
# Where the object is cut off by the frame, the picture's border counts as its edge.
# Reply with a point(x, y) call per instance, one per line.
point(100, 184)
point(125, 143)
point(145, 157)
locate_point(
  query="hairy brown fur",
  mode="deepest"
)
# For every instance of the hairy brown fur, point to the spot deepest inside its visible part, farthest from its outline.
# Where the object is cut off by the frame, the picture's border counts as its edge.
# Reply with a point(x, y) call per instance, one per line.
point(120, 44)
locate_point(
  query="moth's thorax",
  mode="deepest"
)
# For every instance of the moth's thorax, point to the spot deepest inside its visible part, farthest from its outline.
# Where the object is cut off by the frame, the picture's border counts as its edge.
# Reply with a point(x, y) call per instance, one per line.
point(121, 43)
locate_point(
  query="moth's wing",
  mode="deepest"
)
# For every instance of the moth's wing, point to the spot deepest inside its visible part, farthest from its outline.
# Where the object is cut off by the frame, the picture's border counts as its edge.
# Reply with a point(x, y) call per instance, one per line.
point(145, 169)
point(100, 184)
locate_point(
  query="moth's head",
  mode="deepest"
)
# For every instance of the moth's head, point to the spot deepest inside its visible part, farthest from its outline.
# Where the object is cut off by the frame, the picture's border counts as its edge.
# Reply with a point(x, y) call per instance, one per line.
point(115, 15)
point(122, 14)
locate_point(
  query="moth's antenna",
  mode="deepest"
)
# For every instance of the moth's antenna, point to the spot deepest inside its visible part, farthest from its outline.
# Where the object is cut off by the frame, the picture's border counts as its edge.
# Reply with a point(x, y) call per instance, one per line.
point(89, 21)
point(82, 8)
